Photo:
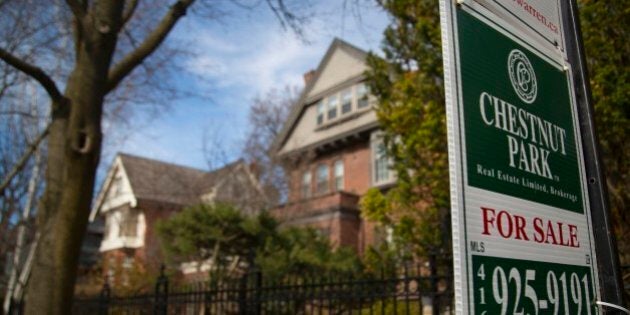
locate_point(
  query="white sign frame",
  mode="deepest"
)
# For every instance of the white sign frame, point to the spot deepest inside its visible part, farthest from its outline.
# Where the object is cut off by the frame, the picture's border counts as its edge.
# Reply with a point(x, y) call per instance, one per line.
point(456, 143)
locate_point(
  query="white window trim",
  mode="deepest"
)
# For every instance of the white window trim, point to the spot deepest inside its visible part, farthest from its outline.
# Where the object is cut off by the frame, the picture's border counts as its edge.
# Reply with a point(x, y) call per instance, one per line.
point(322, 105)
point(321, 111)
point(326, 181)
point(112, 239)
point(341, 174)
point(332, 100)
point(376, 139)
point(347, 91)
point(306, 189)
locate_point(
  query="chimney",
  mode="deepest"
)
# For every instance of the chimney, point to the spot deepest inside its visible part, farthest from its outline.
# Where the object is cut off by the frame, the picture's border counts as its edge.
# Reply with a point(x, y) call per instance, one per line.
point(309, 76)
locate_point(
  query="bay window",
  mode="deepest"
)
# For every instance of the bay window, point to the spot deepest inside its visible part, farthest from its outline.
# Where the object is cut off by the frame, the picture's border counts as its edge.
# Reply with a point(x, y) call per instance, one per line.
point(346, 101)
point(333, 102)
point(362, 95)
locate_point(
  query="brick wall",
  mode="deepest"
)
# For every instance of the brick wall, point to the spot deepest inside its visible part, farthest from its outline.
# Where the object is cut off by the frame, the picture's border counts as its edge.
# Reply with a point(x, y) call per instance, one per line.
point(357, 170)
point(335, 213)
point(151, 253)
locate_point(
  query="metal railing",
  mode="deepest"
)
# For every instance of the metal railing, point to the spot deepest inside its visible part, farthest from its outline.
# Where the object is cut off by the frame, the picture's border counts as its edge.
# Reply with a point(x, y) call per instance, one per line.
point(414, 289)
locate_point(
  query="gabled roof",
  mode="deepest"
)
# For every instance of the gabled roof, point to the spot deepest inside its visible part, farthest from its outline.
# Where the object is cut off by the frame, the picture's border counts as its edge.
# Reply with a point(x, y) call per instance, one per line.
point(167, 182)
point(153, 180)
point(298, 108)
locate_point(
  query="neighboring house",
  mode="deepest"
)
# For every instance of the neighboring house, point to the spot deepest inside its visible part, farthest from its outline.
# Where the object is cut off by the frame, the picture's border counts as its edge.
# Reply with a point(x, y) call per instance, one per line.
point(90, 253)
point(138, 192)
point(333, 150)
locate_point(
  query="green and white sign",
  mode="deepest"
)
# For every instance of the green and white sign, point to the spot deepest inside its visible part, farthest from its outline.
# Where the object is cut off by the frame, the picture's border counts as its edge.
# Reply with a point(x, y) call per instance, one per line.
point(522, 235)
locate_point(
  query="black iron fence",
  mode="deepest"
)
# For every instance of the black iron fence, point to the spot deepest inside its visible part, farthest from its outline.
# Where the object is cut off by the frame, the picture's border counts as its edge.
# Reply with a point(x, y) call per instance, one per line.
point(409, 290)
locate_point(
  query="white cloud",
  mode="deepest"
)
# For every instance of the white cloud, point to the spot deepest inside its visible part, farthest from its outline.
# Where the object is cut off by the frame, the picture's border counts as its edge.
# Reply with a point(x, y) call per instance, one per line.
point(240, 60)
point(271, 59)
point(254, 57)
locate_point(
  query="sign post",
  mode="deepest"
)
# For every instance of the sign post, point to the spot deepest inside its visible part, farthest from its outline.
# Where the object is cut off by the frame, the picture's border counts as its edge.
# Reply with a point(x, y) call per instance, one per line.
point(609, 272)
point(522, 230)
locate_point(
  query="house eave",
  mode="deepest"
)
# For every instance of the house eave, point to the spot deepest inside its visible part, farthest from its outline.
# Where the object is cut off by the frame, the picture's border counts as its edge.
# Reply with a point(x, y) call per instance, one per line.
point(358, 133)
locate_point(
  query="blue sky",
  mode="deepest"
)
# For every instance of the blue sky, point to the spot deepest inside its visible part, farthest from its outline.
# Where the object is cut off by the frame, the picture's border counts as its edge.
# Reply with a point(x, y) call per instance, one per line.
point(244, 55)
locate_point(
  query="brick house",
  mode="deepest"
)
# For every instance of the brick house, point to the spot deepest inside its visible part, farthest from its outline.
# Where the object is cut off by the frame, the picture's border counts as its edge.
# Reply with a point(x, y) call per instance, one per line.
point(333, 150)
point(138, 192)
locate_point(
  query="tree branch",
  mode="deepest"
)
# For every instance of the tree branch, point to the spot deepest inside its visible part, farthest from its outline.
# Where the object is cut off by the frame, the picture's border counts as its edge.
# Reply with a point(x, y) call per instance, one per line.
point(22, 162)
point(286, 18)
point(17, 113)
point(131, 8)
point(148, 46)
point(34, 72)
point(77, 8)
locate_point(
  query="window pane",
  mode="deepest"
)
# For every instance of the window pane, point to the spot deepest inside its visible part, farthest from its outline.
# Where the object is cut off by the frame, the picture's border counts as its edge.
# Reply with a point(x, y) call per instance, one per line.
point(346, 101)
point(306, 185)
point(339, 175)
point(333, 101)
point(322, 178)
point(362, 95)
point(320, 112)
point(128, 224)
point(381, 164)
point(127, 262)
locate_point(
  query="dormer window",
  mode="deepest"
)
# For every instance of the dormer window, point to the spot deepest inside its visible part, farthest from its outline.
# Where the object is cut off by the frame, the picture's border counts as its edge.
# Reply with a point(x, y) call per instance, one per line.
point(342, 103)
point(128, 223)
point(333, 102)
point(320, 112)
point(346, 101)
point(362, 96)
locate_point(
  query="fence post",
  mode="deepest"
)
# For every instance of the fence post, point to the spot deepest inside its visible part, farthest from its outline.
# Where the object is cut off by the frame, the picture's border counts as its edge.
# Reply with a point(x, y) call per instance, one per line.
point(161, 293)
point(103, 299)
point(242, 294)
point(258, 293)
point(435, 305)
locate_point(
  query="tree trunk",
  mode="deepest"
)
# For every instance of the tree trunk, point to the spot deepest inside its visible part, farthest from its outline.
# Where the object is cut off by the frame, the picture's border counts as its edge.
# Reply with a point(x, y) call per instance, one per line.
point(73, 155)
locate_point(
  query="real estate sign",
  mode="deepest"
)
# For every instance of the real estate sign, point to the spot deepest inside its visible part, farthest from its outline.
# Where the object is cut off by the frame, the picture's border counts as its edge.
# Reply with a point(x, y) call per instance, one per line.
point(523, 241)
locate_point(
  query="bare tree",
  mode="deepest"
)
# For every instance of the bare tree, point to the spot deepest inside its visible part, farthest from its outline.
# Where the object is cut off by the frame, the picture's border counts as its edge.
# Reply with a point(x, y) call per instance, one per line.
point(267, 116)
point(103, 42)
point(21, 137)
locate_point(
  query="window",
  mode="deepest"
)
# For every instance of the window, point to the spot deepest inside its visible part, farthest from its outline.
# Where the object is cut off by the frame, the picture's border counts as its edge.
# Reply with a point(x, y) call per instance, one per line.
point(320, 112)
point(381, 164)
point(362, 96)
point(338, 104)
point(333, 101)
point(127, 262)
point(111, 267)
point(385, 235)
point(339, 175)
point(306, 184)
point(322, 178)
point(346, 101)
point(128, 223)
